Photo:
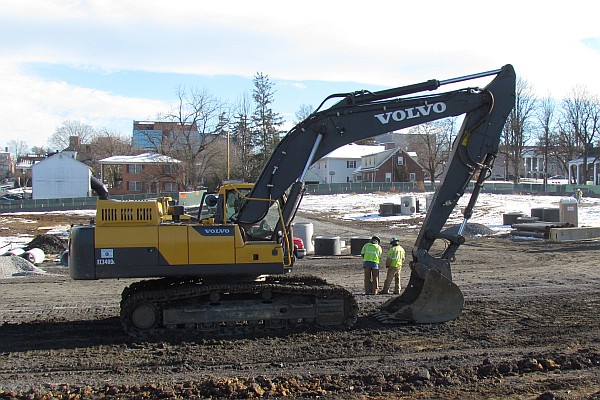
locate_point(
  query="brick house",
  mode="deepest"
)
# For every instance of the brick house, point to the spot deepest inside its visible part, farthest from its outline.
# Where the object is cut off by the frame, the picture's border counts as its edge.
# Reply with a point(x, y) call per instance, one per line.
point(143, 173)
point(393, 165)
point(7, 165)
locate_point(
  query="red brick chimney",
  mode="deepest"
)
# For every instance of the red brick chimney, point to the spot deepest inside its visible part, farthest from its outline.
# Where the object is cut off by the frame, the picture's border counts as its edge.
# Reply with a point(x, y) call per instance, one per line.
point(74, 143)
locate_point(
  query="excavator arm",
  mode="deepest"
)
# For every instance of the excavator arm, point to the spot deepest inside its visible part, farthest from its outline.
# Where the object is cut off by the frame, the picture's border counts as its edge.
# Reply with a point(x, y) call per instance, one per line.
point(430, 296)
point(362, 115)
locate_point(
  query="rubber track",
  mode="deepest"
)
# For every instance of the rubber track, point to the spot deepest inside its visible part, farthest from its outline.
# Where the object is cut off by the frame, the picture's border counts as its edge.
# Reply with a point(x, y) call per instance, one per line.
point(166, 290)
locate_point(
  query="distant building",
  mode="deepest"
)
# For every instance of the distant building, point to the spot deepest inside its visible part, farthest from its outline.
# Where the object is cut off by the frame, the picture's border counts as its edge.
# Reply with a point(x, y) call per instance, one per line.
point(23, 168)
point(339, 165)
point(393, 165)
point(575, 174)
point(144, 173)
point(60, 176)
point(154, 135)
point(532, 165)
point(7, 165)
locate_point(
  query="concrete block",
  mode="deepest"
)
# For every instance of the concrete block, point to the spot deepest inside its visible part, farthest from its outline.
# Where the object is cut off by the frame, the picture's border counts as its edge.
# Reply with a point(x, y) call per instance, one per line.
point(570, 234)
point(568, 211)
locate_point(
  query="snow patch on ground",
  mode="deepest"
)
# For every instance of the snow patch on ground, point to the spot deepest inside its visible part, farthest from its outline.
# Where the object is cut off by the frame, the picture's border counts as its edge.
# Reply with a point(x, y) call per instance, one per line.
point(488, 211)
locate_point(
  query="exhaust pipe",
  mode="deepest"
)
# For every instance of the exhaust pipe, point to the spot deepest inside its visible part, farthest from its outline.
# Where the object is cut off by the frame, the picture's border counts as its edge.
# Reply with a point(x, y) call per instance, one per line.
point(99, 188)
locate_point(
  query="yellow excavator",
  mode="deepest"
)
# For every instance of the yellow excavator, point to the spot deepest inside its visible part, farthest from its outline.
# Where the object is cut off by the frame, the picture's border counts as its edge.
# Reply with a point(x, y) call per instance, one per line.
point(225, 270)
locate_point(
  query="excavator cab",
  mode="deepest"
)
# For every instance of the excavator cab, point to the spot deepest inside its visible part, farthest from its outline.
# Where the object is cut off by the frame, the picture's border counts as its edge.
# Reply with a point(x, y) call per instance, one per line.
point(224, 206)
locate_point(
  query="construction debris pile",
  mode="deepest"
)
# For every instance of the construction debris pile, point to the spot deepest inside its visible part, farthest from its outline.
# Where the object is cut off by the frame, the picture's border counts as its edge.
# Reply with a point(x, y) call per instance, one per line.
point(542, 220)
point(34, 253)
point(471, 230)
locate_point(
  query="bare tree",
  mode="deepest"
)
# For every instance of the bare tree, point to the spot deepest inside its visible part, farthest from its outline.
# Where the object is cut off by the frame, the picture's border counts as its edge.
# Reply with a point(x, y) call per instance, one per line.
point(18, 148)
point(109, 143)
point(212, 164)
point(199, 118)
point(432, 141)
point(518, 127)
point(59, 140)
point(303, 112)
point(40, 150)
point(105, 144)
point(546, 121)
point(241, 135)
point(581, 121)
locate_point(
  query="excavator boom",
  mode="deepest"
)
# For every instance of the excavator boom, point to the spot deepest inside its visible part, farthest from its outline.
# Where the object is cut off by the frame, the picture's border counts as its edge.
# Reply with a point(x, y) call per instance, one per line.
point(431, 296)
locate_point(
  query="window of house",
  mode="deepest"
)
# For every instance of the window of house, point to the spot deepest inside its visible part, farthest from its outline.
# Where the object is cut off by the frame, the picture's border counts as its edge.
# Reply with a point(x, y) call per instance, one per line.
point(400, 160)
point(116, 171)
point(171, 187)
point(351, 164)
point(134, 168)
point(134, 186)
point(412, 177)
point(169, 169)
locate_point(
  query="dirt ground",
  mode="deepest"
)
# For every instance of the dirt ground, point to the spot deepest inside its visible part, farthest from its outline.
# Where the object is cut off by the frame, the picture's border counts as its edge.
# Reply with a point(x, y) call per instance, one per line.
point(530, 330)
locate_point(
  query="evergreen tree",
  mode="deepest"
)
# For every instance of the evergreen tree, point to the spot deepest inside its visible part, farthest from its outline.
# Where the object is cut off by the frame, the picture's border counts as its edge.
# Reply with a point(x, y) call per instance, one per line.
point(266, 123)
point(241, 141)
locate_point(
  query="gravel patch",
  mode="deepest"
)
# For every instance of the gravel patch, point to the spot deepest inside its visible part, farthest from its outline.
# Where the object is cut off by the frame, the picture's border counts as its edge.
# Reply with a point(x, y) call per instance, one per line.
point(14, 266)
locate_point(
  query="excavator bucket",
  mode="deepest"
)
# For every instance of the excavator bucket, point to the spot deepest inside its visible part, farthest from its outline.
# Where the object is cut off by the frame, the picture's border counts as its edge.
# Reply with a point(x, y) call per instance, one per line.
point(432, 300)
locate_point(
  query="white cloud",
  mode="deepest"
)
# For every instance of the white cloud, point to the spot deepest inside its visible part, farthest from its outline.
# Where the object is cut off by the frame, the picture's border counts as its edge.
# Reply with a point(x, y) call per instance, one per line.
point(33, 108)
point(387, 43)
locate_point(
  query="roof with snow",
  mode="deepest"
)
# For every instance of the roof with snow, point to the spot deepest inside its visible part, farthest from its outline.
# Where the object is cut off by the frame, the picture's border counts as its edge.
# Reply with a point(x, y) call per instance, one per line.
point(382, 157)
point(145, 158)
point(354, 151)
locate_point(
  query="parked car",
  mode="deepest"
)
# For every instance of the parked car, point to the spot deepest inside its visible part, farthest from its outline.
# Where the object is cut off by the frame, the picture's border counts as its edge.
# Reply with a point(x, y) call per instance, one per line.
point(11, 197)
point(299, 249)
point(558, 180)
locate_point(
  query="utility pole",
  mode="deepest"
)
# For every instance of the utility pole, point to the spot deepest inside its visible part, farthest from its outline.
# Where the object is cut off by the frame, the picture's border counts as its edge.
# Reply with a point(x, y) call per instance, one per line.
point(228, 166)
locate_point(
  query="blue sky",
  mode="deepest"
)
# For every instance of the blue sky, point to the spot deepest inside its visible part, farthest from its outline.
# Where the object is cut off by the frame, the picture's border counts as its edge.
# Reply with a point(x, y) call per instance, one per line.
point(108, 62)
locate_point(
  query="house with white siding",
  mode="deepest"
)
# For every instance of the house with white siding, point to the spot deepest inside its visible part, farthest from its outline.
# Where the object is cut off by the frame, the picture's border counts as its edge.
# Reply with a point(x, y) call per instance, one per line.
point(339, 165)
point(60, 176)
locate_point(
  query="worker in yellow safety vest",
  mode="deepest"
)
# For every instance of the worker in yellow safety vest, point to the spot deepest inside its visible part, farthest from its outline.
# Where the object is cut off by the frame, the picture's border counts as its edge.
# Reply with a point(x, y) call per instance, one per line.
point(393, 263)
point(371, 253)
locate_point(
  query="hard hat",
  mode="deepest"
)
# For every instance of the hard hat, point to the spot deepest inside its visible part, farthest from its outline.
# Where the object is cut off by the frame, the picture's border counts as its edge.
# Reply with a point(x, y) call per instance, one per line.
point(375, 238)
point(394, 239)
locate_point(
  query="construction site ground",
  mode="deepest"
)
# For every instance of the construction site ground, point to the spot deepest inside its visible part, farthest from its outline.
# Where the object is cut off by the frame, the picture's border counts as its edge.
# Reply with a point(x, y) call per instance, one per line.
point(530, 330)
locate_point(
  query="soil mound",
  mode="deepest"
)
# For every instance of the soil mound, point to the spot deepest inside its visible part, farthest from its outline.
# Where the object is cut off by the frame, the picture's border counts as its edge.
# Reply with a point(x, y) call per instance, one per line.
point(471, 230)
point(50, 244)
